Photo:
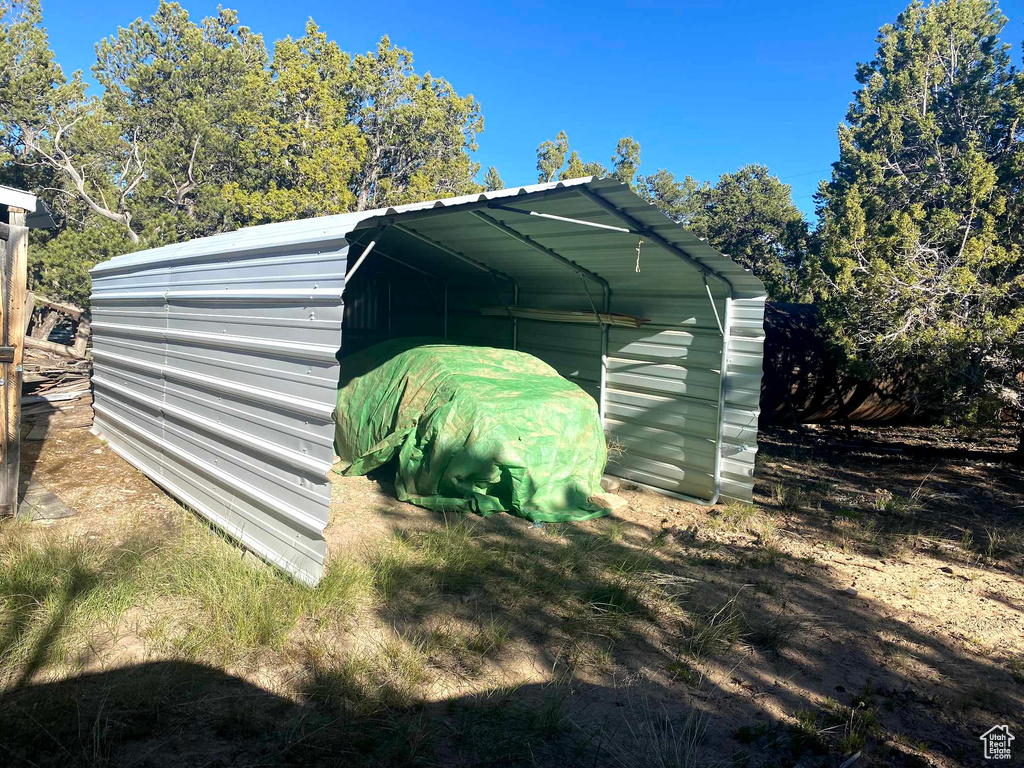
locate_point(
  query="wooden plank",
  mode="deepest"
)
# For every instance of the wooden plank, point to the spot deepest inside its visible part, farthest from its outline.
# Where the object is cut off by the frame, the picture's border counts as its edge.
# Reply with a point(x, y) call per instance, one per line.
point(30, 303)
point(17, 199)
point(57, 349)
point(38, 432)
point(583, 317)
point(5, 371)
point(82, 336)
point(61, 306)
point(17, 283)
point(45, 328)
point(42, 504)
point(56, 397)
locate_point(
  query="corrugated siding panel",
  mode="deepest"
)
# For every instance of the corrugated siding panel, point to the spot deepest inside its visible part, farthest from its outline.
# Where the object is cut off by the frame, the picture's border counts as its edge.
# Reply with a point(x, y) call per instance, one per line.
point(572, 349)
point(465, 323)
point(742, 398)
point(662, 401)
point(216, 377)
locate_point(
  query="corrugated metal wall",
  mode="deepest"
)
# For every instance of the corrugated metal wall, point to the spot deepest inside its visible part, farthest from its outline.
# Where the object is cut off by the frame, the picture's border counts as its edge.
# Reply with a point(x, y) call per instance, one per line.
point(742, 383)
point(663, 391)
point(215, 374)
point(572, 349)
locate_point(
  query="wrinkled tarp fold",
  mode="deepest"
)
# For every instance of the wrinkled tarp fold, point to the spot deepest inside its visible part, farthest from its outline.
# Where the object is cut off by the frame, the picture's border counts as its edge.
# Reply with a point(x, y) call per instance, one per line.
point(474, 429)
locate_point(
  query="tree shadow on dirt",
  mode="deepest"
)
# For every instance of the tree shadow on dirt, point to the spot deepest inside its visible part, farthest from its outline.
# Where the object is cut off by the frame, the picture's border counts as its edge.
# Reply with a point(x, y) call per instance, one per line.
point(901, 488)
point(644, 646)
point(184, 714)
point(789, 665)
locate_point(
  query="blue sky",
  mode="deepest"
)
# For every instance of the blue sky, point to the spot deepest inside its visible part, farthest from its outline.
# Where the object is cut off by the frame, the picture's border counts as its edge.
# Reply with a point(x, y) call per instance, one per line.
point(704, 87)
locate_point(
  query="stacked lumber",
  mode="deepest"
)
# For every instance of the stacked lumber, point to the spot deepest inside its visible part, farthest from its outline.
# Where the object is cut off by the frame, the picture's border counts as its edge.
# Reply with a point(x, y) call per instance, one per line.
point(56, 389)
point(46, 316)
point(584, 317)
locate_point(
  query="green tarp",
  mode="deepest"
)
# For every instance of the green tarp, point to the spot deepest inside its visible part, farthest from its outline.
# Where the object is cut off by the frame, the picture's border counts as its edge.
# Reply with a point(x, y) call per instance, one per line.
point(474, 429)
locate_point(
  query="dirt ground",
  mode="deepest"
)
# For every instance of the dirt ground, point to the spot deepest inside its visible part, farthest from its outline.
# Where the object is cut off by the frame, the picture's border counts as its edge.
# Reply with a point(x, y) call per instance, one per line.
point(867, 610)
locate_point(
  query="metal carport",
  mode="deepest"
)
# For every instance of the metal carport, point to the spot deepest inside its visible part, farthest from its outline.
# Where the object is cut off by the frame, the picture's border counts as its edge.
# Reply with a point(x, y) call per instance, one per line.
point(215, 359)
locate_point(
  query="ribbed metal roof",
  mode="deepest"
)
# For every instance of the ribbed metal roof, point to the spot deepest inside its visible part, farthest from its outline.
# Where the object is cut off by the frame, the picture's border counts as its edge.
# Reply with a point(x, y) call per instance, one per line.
point(563, 198)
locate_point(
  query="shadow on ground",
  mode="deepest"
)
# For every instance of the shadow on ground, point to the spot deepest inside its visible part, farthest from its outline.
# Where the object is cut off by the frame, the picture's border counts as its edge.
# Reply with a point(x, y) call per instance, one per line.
point(643, 641)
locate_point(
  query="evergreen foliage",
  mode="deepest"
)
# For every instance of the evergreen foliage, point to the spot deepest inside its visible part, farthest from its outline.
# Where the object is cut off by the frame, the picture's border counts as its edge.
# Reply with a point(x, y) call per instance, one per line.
point(921, 221)
point(917, 262)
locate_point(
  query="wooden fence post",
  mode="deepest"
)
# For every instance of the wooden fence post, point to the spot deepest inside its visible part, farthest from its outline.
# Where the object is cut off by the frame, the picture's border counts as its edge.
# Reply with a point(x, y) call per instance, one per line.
point(5, 509)
point(16, 283)
point(82, 336)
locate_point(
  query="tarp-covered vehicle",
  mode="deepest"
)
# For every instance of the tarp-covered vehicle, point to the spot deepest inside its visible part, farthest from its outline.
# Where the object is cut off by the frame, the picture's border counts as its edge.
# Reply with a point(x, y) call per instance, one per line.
point(474, 429)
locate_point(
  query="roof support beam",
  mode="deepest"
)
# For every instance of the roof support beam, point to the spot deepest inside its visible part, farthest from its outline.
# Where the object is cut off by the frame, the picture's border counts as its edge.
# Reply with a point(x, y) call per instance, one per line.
point(705, 273)
point(652, 236)
point(407, 265)
point(479, 265)
point(584, 274)
point(455, 254)
point(359, 262)
point(530, 243)
point(448, 210)
point(581, 222)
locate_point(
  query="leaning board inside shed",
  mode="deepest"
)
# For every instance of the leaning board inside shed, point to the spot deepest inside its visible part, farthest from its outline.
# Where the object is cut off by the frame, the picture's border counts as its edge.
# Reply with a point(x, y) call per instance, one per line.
point(216, 360)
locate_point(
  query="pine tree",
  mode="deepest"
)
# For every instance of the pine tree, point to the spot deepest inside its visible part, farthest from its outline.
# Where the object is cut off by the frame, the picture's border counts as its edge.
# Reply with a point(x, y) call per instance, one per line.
point(550, 157)
point(626, 160)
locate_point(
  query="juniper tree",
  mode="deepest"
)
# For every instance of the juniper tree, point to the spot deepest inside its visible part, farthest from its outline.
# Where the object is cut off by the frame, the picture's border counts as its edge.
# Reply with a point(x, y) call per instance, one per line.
point(556, 161)
point(419, 133)
point(300, 154)
point(191, 131)
point(748, 214)
point(922, 218)
point(176, 95)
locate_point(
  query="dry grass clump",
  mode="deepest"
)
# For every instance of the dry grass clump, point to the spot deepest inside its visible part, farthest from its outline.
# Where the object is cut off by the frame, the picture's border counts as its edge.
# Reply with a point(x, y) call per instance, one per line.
point(63, 596)
point(712, 632)
point(651, 737)
point(771, 630)
point(904, 507)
